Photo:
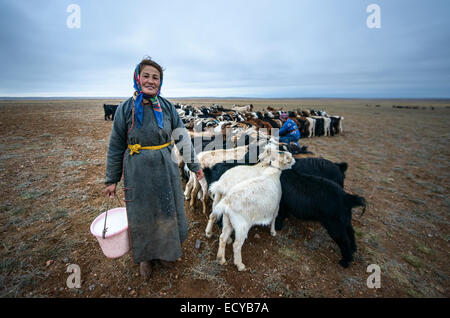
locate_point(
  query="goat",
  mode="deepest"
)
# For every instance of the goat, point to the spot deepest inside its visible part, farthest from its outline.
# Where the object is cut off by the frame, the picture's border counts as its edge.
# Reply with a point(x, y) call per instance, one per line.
point(230, 173)
point(314, 198)
point(327, 124)
point(323, 125)
point(321, 167)
point(223, 171)
point(320, 128)
point(110, 111)
point(334, 126)
point(311, 126)
point(254, 201)
point(243, 108)
point(209, 159)
point(339, 125)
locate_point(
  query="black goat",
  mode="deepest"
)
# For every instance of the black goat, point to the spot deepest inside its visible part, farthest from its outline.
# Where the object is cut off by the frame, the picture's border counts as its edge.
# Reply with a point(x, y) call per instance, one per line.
point(272, 122)
point(320, 167)
point(314, 198)
point(320, 127)
point(334, 126)
point(313, 166)
point(110, 110)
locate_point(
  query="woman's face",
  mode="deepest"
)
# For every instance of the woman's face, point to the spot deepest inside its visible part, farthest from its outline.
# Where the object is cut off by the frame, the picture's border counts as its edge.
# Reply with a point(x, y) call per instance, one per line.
point(150, 80)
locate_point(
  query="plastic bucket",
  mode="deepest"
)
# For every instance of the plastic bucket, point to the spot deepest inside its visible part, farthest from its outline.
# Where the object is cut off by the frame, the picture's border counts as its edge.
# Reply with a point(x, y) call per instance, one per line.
point(116, 242)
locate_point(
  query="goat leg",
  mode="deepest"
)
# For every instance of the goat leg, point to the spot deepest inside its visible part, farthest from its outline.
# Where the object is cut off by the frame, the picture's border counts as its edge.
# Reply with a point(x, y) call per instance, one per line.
point(240, 236)
point(194, 192)
point(188, 189)
point(212, 219)
point(272, 225)
point(226, 231)
point(204, 197)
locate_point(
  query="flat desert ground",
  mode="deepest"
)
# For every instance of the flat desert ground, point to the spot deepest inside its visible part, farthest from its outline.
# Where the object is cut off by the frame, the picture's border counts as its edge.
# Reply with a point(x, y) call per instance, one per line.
point(52, 168)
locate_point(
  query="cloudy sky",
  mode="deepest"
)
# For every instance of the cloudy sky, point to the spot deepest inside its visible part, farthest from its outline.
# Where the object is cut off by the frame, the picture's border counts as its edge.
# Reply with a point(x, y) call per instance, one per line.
point(224, 48)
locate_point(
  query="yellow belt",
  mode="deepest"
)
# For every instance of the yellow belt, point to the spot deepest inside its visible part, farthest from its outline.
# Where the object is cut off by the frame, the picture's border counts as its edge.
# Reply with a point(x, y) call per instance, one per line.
point(135, 148)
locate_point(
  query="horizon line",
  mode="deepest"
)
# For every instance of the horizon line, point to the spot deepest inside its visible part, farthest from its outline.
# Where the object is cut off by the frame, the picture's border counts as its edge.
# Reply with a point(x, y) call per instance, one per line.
point(213, 97)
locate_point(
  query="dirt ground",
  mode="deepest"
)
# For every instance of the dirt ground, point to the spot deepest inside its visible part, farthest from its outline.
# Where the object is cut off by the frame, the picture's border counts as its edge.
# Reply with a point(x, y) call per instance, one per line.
point(52, 166)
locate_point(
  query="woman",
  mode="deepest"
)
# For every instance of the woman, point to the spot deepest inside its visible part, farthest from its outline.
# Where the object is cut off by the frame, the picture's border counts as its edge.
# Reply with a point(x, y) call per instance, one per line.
point(140, 148)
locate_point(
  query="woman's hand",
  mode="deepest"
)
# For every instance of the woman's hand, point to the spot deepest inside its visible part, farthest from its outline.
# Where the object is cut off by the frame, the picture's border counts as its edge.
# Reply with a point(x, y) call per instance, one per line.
point(111, 190)
point(199, 174)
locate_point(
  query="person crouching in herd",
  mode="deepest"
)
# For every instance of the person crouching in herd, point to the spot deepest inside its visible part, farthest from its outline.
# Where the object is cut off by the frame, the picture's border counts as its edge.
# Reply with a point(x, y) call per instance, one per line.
point(289, 132)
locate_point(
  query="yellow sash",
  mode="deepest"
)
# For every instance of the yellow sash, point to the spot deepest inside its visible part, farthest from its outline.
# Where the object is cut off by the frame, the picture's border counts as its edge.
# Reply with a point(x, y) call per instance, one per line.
point(135, 148)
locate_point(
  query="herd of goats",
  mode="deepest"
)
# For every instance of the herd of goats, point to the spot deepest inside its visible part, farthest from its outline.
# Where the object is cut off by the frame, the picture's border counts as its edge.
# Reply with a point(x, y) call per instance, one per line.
point(257, 180)
point(261, 181)
point(311, 123)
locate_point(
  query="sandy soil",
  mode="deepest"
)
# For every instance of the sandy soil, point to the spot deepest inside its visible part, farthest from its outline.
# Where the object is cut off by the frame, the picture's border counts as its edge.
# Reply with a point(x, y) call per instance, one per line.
point(52, 165)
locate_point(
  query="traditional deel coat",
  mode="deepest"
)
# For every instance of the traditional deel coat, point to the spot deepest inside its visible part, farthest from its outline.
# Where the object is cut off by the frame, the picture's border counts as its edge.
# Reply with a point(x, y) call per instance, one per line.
point(290, 128)
point(152, 183)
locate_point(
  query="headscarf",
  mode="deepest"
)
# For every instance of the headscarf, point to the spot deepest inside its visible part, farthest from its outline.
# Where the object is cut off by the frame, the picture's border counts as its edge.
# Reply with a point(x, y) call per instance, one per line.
point(139, 109)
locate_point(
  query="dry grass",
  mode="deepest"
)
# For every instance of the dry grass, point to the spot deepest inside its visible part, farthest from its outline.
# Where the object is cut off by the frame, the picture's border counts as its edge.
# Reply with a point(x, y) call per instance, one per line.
point(51, 188)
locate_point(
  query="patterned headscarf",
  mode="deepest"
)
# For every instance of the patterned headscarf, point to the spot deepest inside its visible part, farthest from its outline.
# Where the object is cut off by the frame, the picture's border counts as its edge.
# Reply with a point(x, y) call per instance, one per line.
point(139, 109)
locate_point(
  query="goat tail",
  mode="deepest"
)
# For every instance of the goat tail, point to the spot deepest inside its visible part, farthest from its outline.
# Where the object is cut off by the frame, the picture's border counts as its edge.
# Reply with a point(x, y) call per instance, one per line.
point(214, 188)
point(219, 210)
point(342, 166)
point(353, 200)
point(304, 150)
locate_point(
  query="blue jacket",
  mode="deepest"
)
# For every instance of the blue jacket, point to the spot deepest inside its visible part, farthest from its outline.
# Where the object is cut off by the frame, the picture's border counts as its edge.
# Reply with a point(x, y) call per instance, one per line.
point(290, 129)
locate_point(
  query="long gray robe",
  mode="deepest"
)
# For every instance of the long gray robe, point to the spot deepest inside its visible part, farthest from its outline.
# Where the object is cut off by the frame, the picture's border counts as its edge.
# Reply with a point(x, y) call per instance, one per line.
point(153, 191)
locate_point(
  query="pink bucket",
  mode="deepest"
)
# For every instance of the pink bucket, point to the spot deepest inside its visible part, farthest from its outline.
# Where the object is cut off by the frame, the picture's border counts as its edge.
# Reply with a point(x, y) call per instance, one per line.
point(116, 242)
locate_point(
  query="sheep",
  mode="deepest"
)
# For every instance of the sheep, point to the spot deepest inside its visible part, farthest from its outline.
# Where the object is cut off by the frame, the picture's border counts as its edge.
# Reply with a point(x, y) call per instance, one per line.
point(314, 198)
point(254, 201)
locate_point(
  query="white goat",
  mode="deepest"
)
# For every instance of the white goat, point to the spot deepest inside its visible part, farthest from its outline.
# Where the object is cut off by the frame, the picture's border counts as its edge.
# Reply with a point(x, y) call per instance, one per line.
point(327, 124)
point(246, 108)
point(312, 126)
point(254, 201)
point(235, 175)
point(209, 159)
point(341, 119)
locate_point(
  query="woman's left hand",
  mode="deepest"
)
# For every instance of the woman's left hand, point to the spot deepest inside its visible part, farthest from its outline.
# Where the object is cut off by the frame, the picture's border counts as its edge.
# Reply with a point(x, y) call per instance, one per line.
point(199, 174)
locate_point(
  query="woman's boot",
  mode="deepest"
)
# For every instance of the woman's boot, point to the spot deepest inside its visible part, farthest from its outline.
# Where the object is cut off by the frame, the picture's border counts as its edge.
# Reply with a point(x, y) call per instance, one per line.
point(146, 269)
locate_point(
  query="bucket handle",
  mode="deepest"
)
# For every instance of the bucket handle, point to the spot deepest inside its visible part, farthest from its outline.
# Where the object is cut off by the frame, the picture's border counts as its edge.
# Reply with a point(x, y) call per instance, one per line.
point(106, 215)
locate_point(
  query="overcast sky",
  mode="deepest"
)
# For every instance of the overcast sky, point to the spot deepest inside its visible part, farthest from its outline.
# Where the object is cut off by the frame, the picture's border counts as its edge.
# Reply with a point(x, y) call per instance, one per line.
point(309, 48)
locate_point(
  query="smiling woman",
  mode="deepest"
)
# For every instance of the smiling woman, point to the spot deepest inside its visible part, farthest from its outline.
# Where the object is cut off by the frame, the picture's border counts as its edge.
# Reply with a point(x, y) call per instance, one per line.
point(140, 149)
point(150, 77)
